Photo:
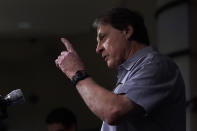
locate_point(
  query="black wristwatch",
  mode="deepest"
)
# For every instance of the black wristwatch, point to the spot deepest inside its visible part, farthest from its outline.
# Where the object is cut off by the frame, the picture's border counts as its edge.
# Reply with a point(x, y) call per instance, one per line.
point(79, 75)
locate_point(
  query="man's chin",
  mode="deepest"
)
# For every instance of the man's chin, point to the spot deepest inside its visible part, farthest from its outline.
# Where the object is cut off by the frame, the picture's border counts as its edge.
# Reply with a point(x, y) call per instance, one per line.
point(111, 65)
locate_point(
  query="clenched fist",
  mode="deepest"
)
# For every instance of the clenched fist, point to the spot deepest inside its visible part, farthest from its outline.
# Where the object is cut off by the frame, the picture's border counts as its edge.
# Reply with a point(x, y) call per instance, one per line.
point(69, 61)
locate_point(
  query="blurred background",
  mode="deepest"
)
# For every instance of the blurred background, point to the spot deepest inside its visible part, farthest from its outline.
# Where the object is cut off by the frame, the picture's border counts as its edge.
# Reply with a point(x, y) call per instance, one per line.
point(29, 44)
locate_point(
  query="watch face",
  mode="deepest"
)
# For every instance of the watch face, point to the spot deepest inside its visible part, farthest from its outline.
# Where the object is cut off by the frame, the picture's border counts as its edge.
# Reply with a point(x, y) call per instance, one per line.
point(80, 75)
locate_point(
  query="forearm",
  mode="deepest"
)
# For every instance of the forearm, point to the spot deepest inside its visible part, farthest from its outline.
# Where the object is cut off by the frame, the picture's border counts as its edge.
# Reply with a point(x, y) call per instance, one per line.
point(106, 105)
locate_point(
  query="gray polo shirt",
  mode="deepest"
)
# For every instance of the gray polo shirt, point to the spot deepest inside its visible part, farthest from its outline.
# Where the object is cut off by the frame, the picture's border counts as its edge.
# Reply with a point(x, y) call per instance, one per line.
point(154, 82)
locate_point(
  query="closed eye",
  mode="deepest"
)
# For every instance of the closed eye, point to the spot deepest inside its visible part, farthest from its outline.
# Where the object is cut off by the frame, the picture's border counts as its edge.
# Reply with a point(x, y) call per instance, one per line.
point(102, 37)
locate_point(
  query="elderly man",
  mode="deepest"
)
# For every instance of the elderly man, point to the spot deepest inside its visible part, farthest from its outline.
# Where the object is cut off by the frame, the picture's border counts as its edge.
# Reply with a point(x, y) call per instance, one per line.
point(150, 91)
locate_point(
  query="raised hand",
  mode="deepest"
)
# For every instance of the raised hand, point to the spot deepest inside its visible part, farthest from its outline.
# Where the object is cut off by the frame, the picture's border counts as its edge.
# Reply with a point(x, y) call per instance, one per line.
point(69, 61)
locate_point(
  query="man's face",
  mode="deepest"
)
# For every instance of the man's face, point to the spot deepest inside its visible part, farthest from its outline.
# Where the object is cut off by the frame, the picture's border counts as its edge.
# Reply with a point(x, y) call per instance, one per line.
point(59, 127)
point(112, 44)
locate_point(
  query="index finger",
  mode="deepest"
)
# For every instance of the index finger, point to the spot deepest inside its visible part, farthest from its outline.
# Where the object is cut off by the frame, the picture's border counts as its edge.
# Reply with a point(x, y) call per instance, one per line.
point(67, 44)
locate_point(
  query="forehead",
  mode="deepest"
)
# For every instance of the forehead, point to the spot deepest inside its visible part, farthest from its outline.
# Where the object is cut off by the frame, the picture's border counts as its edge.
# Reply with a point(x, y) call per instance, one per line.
point(104, 28)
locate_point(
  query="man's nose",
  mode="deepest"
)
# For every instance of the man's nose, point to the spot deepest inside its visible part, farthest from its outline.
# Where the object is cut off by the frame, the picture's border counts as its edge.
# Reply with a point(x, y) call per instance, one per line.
point(99, 48)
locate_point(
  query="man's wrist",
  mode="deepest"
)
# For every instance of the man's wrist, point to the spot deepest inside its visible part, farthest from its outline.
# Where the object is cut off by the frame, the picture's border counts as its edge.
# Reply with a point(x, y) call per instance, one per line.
point(79, 75)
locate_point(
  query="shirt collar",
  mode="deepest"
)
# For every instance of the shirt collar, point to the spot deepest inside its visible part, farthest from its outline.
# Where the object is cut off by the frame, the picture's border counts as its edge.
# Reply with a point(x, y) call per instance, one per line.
point(131, 61)
point(128, 64)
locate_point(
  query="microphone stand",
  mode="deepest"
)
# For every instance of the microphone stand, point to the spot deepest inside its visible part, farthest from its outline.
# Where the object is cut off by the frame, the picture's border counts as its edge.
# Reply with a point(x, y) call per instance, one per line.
point(3, 109)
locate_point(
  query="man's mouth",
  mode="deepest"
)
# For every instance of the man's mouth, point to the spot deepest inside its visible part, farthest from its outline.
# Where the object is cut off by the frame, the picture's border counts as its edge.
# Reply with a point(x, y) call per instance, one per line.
point(105, 58)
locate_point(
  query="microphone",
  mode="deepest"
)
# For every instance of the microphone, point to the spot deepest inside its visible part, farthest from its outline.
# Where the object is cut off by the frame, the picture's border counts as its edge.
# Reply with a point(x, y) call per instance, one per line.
point(13, 98)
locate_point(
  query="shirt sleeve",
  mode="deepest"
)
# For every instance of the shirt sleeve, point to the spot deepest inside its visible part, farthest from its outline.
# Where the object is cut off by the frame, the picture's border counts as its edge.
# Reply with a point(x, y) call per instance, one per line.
point(150, 85)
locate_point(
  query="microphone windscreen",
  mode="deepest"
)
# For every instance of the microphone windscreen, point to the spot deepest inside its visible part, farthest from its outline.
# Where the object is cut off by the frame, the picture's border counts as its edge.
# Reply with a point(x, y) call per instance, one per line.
point(15, 97)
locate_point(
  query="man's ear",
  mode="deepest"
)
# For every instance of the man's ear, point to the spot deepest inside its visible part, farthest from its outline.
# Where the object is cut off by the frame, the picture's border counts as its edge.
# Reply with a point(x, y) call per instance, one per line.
point(128, 32)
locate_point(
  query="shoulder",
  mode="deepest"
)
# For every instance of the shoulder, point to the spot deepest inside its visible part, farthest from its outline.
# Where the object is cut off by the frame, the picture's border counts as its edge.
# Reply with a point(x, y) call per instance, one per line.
point(154, 65)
